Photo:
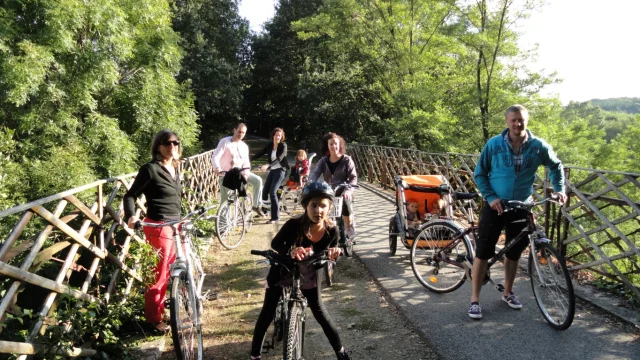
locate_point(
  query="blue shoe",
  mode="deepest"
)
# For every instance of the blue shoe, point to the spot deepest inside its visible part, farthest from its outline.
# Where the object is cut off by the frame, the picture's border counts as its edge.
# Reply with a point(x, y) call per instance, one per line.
point(512, 300)
point(475, 311)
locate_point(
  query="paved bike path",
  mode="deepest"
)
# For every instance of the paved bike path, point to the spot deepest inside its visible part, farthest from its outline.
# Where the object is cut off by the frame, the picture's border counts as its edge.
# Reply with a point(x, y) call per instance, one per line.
point(503, 332)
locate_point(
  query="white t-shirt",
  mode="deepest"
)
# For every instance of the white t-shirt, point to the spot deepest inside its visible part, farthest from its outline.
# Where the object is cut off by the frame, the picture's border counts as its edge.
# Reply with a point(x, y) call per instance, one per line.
point(273, 157)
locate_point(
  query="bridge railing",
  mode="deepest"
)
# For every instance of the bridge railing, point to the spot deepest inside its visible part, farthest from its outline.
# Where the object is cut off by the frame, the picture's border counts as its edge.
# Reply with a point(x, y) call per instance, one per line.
point(597, 230)
point(75, 243)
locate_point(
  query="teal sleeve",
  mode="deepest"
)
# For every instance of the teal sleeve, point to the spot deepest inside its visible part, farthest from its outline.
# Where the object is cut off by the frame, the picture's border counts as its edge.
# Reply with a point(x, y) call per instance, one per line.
point(556, 170)
point(481, 174)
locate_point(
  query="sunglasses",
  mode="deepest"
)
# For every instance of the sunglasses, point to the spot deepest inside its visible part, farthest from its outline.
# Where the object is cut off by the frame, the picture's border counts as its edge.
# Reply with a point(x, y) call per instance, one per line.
point(174, 143)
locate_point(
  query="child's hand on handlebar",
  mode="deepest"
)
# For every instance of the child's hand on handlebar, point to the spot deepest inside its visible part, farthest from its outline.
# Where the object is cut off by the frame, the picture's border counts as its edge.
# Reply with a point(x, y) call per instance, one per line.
point(300, 253)
point(334, 252)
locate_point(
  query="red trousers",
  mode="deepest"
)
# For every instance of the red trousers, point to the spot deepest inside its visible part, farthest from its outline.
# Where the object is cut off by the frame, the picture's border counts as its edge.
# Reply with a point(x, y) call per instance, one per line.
point(161, 238)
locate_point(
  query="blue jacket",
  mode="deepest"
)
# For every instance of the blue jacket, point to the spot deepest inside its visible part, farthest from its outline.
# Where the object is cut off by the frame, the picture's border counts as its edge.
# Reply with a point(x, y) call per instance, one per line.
point(495, 174)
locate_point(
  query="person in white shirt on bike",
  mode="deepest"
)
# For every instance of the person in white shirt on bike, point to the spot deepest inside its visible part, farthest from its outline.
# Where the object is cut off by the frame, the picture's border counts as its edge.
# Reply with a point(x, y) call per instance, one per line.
point(232, 152)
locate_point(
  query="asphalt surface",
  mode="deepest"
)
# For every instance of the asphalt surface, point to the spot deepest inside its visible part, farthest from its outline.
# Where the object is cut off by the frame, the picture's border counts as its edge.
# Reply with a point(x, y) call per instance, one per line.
point(502, 332)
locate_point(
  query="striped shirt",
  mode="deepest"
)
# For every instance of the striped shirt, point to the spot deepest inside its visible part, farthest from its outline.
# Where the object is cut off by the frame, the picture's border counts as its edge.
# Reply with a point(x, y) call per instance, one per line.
point(517, 157)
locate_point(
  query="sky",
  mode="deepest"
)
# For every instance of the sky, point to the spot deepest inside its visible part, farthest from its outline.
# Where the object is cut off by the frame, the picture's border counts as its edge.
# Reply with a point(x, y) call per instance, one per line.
point(592, 44)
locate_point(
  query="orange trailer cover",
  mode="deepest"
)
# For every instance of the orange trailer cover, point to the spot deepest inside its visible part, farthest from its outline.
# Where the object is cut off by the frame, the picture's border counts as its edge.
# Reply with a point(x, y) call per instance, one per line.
point(425, 200)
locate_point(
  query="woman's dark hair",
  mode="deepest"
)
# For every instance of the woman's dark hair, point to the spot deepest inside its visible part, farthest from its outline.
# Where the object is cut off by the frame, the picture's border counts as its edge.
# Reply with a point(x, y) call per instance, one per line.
point(274, 131)
point(161, 137)
point(325, 143)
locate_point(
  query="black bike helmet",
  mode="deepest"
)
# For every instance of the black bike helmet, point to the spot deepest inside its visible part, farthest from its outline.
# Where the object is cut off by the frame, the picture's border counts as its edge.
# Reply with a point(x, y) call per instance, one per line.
point(316, 189)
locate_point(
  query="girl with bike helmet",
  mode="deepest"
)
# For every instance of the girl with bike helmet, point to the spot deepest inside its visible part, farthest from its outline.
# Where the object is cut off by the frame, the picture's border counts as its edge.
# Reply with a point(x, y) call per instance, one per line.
point(298, 238)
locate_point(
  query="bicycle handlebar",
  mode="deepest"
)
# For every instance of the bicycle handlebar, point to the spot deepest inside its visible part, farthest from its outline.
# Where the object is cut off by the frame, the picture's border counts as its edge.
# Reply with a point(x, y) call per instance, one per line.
point(272, 255)
point(465, 196)
point(517, 204)
point(199, 211)
point(344, 185)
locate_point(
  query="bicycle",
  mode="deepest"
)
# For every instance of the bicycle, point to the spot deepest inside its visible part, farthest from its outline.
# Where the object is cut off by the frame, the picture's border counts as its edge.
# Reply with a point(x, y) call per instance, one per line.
point(231, 220)
point(289, 319)
point(187, 278)
point(443, 251)
point(344, 241)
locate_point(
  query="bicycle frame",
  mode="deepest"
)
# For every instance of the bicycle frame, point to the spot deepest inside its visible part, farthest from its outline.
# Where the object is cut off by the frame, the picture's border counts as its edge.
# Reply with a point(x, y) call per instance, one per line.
point(530, 232)
point(291, 294)
point(184, 247)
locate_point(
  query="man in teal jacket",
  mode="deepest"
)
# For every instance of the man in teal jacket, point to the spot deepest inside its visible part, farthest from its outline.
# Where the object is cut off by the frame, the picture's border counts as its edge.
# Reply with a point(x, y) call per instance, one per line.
point(506, 171)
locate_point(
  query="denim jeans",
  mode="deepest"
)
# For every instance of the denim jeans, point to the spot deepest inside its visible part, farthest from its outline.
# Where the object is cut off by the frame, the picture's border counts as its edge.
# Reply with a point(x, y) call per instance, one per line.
point(271, 186)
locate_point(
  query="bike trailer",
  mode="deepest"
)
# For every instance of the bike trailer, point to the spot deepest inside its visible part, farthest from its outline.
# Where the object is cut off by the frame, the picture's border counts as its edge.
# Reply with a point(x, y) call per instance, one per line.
point(427, 190)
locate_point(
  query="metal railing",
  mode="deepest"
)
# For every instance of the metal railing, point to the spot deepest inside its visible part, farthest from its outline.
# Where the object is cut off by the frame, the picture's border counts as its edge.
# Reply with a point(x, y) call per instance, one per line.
point(61, 244)
point(597, 230)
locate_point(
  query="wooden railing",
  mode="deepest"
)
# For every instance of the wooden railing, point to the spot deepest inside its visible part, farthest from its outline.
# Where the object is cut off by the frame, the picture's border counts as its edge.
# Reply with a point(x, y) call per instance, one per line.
point(61, 243)
point(598, 229)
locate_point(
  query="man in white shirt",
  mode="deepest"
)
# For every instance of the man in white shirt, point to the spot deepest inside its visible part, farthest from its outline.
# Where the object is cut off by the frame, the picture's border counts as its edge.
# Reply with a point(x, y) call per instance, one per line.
point(232, 152)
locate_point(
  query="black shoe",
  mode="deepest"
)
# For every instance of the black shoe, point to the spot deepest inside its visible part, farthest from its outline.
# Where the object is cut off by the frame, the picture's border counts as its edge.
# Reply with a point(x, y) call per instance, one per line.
point(344, 355)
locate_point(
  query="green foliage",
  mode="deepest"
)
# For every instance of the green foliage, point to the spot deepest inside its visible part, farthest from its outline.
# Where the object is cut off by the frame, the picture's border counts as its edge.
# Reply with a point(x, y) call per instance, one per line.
point(87, 85)
point(625, 104)
point(435, 71)
point(12, 189)
point(274, 95)
point(76, 322)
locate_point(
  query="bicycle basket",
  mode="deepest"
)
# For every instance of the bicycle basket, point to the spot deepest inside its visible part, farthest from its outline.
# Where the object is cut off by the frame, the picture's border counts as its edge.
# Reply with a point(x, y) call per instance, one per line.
point(336, 212)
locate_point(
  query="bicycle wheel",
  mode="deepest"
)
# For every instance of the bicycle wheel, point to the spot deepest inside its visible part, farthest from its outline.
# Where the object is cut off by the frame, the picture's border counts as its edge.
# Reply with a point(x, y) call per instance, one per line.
point(185, 330)
point(327, 271)
point(343, 241)
point(437, 256)
point(247, 205)
point(393, 237)
point(277, 331)
point(197, 272)
point(552, 286)
point(230, 225)
point(294, 335)
point(290, 202)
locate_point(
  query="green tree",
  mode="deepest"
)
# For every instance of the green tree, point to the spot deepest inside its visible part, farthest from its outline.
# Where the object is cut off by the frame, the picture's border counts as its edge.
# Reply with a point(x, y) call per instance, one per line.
point(447, 69)
point(278, 58)
point(86, 85)
point(215, 40)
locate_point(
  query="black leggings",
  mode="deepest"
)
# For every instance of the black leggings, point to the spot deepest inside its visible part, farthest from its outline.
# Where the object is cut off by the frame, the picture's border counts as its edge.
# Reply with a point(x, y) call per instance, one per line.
point(271, 297)
point(347, 207)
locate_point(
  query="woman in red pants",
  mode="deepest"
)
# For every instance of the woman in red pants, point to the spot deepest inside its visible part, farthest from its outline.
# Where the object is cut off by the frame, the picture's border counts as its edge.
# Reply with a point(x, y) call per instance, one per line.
point(159, 181)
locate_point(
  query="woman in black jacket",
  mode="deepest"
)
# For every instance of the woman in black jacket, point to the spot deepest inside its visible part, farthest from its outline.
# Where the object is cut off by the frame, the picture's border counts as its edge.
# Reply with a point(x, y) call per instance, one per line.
point(159, 181)
point(277, 155)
